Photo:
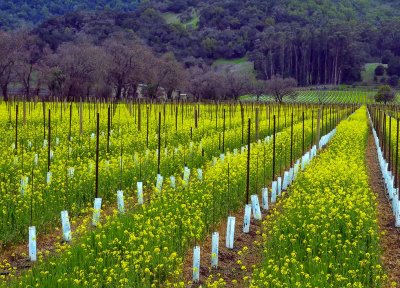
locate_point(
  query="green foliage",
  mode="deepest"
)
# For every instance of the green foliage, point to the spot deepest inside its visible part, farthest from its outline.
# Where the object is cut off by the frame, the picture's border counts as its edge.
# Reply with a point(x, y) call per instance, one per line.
point(276, 36)
point(394, 66)
point(385, 94)
point(171, 18)
point(174, 18)
point(17, 13)
point(230, 61)
point(393, 81)
point(379, 70)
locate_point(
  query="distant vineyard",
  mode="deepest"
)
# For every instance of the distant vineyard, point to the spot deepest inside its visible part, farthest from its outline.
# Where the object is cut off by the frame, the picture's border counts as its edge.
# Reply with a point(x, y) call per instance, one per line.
point(326, 97)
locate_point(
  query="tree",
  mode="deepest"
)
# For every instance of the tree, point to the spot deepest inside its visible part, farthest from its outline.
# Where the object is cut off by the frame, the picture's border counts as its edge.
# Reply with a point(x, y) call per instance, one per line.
point(387, 55)
point(379, 70)
point(279, 87)
point(165, 72)
point(10, 46)
point(28, 62)
point(237, 83)
point(126, 64)
point(175, 76)
point(393, 81)
point(76, 70)
point(258, 88)
point(394, 66)
point(206, 84)
point(385, 94)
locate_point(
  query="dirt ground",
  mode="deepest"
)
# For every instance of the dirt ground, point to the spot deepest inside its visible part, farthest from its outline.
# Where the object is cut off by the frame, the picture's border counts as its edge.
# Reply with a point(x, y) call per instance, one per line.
point(390, 236)
point(228, 268)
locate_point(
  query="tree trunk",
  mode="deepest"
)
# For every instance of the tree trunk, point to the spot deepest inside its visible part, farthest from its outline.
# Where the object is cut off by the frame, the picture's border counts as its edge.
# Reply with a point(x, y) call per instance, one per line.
point(319, 68)
point(336, 66)
point(296, 64)
point(326, 65)
point(118, 92)
point(283, 59)
point(4, 89)
point(169, 93)
point(271, 62)
point(37, 90)
point(134, 90)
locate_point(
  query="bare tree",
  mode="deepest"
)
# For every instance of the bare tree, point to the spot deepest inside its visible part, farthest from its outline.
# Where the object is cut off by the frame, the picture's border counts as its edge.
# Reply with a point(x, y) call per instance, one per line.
point(237, 83)
point(76, 70)
point(279, 87)
point(166, 73)
point(126, 68)
point(175, 75)
point(9, 48)
point(28, 60)
point(258, 88)
point(206, 84)
point(195, 82)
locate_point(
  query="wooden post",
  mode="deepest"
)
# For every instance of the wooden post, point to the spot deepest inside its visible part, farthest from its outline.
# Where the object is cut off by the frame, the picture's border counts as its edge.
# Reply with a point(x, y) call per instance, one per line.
point(33, 189)
point(176, 118)
point(248, 162)
point(97, 156)
point(24, 113)
point(147, 126)
point(159, 143)
point(390, 144)
point(16, 130)
point(303, 133)
point(273, 151)
point(319, 127)
point(44, 119)
point(384, 135)
point(195, 117)
point(108, 128)
point(397, 155)
point(242, 115)
point(49, 143)
point(312, 128)
point(139, 117)
point(80, 117)
point(70, 122)
point(223, 135)
point(291, 143)
point(257, 124)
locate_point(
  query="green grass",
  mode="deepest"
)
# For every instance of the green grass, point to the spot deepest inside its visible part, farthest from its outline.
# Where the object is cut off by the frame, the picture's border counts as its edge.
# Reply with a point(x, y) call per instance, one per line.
point(194, 22)
point(368, 72)
point(173, 18)
point(230, 61)
point(235, 65)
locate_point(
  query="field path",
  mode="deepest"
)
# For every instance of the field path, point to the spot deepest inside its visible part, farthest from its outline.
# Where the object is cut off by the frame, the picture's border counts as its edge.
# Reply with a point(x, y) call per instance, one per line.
point(228, 267)
point(390, 236)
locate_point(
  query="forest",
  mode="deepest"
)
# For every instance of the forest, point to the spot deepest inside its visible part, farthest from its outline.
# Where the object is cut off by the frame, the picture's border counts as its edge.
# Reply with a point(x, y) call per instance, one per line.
point(313, 42)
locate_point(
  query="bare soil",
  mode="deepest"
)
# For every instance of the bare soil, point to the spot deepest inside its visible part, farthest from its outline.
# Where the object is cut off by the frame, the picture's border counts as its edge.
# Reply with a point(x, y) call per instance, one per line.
point(228, 268)
point(390, 235)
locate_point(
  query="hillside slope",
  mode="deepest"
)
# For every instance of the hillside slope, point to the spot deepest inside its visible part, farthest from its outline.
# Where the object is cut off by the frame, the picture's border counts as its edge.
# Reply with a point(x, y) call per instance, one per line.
point(314, 41)
point(14, 13)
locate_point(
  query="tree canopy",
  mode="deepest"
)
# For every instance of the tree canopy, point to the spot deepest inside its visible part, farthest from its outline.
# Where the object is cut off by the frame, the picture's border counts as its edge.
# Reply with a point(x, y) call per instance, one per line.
point(315, 42)
point(385, 94)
